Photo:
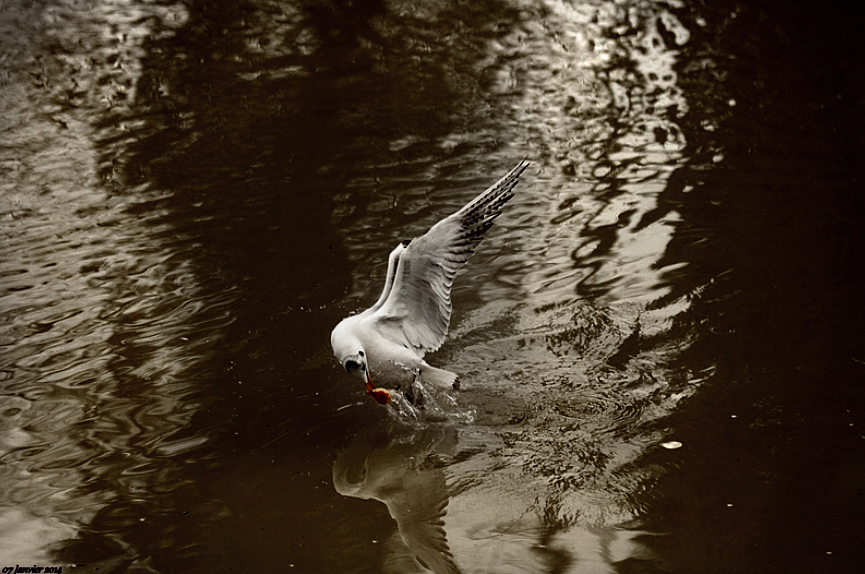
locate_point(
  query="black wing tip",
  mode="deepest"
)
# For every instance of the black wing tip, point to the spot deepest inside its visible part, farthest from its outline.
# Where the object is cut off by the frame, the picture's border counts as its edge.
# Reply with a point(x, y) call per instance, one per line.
point(507, 183)
point(477, 217)
point(518, 170)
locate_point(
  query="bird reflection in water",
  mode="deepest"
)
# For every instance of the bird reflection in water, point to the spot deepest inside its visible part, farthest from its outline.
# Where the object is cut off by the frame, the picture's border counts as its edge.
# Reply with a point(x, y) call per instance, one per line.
point(457, 510)
point(404, 469)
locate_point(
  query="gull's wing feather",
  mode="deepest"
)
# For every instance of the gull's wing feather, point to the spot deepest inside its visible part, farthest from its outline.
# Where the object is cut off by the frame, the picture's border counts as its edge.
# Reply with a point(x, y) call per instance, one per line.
point(416, 311)
point(392, 263)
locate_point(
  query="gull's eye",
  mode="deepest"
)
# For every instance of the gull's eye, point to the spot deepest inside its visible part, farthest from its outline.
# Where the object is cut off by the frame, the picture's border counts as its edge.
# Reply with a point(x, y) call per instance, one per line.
point(351, 366)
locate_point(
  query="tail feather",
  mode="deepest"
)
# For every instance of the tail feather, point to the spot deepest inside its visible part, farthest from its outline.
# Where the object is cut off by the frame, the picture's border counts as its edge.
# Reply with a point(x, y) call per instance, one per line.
point(440, 377)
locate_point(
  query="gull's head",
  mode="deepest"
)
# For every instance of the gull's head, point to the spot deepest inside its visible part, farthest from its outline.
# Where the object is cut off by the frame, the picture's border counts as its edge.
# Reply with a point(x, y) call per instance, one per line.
point(348, 349)
point(350, 353)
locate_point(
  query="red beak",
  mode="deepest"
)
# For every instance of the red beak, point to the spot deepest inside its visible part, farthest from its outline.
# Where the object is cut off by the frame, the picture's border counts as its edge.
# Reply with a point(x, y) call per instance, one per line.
point(380, 396)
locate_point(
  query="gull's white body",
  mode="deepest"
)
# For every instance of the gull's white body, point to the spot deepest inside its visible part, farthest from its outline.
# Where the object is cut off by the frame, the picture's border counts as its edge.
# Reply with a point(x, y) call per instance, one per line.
point(387, 342)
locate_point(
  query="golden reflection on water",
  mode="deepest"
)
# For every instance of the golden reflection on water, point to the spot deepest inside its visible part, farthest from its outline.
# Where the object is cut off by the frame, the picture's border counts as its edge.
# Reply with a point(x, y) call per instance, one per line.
point(591, 95)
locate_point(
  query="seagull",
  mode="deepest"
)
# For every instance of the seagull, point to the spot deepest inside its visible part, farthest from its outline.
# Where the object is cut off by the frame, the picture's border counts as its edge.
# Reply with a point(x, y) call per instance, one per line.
point(387, 342)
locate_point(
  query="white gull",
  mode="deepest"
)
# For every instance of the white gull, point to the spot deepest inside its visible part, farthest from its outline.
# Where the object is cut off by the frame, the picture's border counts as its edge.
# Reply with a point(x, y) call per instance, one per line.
point(387, 342)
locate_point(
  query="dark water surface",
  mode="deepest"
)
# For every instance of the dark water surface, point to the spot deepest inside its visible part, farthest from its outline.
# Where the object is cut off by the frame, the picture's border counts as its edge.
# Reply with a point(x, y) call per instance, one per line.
point(661, 341)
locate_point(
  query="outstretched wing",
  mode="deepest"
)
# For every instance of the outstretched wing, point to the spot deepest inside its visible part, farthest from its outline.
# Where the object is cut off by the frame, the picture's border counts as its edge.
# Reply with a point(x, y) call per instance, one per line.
point(416, 311)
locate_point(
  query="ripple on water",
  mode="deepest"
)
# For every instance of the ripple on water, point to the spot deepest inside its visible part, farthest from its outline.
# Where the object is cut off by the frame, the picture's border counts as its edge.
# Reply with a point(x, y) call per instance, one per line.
point(102, 347)
point(603, 412)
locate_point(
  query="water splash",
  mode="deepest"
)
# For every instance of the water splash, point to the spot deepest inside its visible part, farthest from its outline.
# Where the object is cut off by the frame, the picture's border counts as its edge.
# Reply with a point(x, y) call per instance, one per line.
point(431, 405)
